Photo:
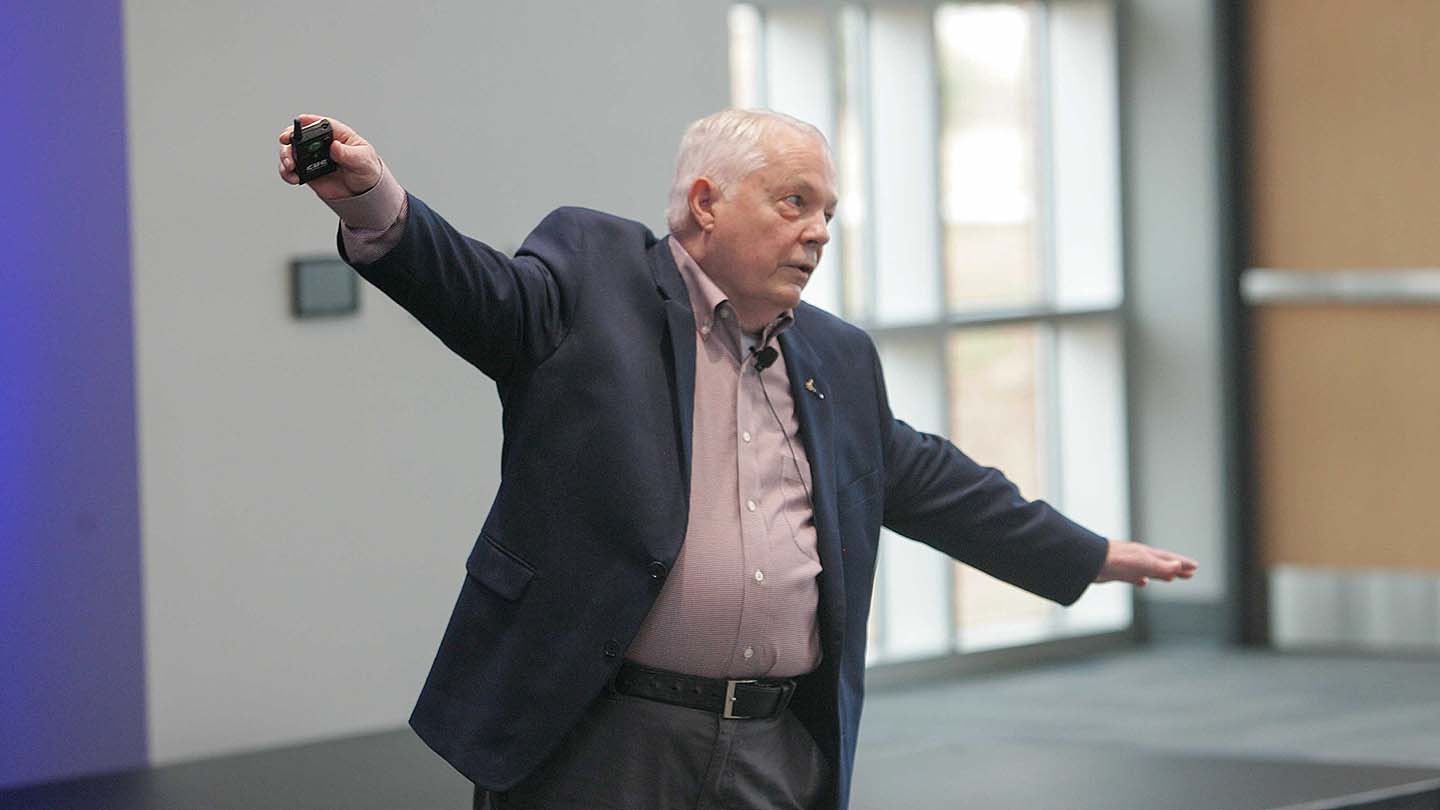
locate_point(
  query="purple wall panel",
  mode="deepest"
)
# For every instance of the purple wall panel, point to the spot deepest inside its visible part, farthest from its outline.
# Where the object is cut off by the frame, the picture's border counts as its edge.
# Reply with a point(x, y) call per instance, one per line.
point(72, 681)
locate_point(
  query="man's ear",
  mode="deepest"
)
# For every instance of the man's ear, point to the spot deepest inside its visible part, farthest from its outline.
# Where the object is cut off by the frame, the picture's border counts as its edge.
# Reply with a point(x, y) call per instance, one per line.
point(703, 196)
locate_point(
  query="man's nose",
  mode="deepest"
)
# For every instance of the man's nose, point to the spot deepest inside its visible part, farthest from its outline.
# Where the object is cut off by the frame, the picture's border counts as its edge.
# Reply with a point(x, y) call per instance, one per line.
point(817, 233)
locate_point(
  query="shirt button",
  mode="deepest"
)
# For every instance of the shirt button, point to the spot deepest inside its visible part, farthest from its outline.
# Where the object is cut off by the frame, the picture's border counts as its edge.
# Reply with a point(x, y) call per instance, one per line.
point(725, 313)
point(658, 571)
point(759, 576)
point(612, 648)
point(750, 505)
point(745, 435)
point(749, 652)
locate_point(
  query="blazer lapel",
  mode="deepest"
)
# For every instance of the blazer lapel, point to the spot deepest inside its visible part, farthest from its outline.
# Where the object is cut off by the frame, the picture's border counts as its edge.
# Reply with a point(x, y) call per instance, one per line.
point(680, 335)
point(817, 434)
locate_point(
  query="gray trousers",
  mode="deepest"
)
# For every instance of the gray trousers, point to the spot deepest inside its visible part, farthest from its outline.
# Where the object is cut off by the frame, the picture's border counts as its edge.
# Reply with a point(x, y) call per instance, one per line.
point(630, 753)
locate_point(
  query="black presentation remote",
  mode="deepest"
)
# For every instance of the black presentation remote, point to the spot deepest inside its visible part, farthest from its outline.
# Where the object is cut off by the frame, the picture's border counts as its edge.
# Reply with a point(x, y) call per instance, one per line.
point(310, 147)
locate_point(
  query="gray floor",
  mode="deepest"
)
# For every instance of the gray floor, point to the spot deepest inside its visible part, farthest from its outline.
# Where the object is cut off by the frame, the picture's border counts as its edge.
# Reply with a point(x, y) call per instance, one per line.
point(1188, 699)
point(1168, 728)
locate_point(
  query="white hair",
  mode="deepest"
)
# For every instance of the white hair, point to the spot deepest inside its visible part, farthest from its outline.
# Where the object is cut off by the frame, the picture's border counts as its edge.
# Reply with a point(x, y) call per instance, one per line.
point(726, 147)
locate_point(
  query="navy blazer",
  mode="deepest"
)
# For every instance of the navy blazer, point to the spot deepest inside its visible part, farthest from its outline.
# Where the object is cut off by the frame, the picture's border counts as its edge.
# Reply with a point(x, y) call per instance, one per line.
point(589, 336)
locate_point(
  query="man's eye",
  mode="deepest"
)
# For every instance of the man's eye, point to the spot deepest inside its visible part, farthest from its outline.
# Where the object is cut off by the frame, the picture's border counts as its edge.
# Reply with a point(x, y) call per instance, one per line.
point(795, 200)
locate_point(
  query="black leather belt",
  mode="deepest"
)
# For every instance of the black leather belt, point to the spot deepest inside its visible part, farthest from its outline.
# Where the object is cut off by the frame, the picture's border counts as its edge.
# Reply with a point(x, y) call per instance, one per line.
point(746, 699)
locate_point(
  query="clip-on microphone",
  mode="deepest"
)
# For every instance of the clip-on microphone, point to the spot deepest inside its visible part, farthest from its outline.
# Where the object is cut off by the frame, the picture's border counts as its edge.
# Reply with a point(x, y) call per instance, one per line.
point(764, 357)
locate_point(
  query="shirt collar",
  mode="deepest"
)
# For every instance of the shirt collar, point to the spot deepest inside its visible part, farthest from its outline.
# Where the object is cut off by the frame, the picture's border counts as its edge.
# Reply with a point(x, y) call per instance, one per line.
point(706, 296)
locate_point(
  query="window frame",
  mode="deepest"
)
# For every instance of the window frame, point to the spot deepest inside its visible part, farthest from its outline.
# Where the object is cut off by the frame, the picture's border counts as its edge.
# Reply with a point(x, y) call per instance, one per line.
point(1049, 313)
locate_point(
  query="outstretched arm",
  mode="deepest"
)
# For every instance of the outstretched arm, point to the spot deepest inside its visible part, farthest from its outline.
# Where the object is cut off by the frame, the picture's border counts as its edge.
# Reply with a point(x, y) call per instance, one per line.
point(936, 494)
point(501, 314)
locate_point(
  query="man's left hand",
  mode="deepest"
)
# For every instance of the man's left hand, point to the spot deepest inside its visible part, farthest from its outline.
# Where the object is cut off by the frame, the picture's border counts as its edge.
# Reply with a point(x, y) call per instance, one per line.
point(1137, 563)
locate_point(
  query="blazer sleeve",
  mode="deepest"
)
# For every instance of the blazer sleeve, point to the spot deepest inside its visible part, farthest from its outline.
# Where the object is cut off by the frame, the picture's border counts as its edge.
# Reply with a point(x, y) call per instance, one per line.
point(503, 315)
point(939, 496)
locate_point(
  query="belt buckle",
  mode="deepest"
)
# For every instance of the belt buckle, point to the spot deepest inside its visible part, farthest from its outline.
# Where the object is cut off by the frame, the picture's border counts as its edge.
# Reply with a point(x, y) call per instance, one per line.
point(730, 700)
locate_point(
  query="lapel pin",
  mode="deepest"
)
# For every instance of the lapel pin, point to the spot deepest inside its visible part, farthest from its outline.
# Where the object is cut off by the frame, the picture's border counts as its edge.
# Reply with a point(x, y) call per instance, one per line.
point(810, 386)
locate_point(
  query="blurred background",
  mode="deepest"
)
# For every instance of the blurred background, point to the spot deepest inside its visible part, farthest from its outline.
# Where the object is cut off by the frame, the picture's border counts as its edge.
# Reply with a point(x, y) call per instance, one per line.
point(1170, 264)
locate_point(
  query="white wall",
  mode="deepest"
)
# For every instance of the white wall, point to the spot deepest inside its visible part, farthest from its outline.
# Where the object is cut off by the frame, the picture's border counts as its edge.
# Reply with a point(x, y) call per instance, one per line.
point(309, 490)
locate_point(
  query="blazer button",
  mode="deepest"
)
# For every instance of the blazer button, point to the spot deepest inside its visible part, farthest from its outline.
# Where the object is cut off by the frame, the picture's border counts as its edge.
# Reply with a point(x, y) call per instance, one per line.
point(612, 648)
point(658, 571)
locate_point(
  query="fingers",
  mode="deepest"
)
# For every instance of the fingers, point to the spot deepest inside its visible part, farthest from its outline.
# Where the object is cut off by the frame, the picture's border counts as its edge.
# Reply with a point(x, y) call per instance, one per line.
point(1174, 565)
point(287, 167)
point(1165, 570)
point(344, 133)
point(1184, 567)
point(1170, 555)
point(1137, 564)
point(361, 167)
point(351, 157)
point(1180, 567)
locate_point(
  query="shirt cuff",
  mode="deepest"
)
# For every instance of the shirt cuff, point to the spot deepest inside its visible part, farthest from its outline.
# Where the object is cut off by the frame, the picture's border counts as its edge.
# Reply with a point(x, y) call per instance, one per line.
point(376, 209)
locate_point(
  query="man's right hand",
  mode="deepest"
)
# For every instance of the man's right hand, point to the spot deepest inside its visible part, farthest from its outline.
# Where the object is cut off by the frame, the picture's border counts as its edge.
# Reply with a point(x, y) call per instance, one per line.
point(359, 164)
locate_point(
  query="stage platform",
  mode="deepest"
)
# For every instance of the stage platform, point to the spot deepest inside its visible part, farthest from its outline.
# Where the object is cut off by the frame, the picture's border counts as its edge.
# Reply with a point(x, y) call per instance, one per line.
point(394, 771)
point(1160, 728)
point(1011, 776)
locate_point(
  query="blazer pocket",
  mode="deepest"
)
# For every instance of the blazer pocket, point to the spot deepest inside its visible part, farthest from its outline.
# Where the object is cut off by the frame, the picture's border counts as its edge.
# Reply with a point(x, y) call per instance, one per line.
point(498, 569)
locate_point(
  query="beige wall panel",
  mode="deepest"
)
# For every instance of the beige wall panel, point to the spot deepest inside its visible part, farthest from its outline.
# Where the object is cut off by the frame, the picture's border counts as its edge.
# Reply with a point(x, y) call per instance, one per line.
point(1344, 117)
point(1347, 436)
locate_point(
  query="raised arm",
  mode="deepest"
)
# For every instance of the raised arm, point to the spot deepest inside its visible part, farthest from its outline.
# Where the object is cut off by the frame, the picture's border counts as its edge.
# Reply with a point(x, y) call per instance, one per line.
point(501, 314)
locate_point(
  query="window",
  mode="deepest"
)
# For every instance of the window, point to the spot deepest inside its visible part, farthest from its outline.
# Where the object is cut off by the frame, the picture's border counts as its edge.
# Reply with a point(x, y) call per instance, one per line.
point(978, 241)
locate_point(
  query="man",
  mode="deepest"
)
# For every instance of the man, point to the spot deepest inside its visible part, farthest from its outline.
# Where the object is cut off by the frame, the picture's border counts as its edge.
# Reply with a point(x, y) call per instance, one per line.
point(666, 606)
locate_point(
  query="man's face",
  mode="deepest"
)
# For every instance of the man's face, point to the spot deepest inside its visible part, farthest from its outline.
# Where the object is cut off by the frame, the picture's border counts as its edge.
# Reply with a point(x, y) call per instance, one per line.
point(769, 231)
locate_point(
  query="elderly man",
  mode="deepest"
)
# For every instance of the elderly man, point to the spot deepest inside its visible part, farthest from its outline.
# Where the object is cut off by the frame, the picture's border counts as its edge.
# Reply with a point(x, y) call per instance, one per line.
point(666, 606)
